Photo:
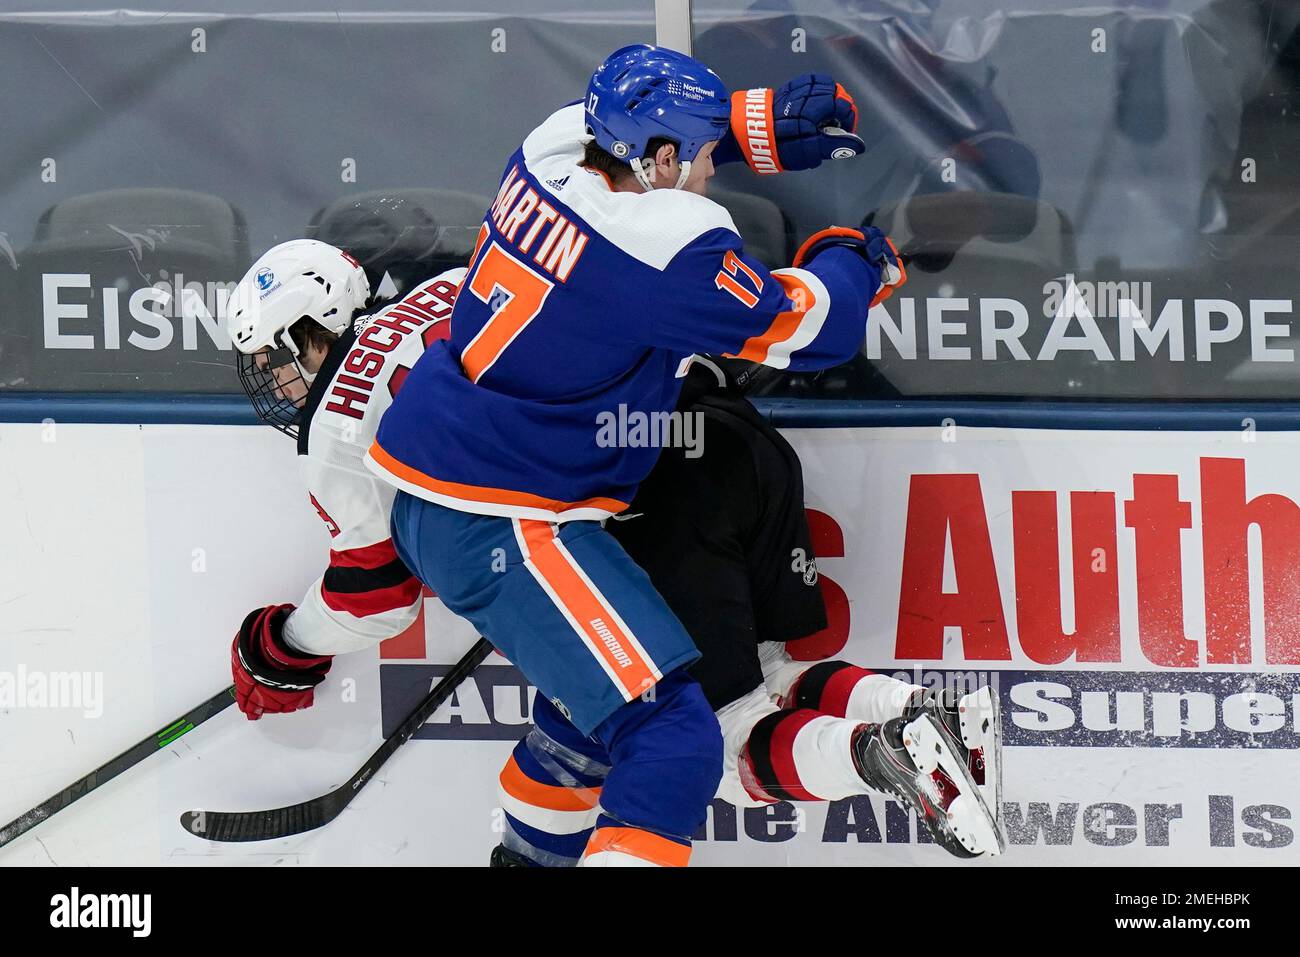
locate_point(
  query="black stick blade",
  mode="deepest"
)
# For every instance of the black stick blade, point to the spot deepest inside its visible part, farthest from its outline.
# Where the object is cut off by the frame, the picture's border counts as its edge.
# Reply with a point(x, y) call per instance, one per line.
point(258, 825)
point(239, 826)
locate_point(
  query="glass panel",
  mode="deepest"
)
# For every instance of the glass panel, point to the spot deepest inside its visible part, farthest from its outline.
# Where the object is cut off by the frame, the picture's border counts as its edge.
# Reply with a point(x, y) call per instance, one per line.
point(1079, 185)
point(165, 147)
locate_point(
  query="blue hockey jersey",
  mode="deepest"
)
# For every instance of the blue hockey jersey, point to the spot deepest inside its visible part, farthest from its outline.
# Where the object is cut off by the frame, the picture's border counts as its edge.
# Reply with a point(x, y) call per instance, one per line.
point(573, 328)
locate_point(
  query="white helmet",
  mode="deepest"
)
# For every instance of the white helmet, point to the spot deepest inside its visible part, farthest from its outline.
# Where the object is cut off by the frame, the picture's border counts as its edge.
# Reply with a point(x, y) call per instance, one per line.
point(301, 279)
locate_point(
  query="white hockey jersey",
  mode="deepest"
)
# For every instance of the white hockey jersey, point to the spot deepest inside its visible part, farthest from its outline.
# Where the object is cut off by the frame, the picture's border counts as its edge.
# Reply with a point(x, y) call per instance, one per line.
point(366, 594)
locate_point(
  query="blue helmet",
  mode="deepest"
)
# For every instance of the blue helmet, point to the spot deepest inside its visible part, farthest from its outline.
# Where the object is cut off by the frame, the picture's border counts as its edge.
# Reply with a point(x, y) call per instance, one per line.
point(641, 92)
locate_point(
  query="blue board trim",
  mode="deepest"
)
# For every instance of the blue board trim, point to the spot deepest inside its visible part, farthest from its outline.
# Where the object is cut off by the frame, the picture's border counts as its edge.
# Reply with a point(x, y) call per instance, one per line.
point(169, 408)
point(974, 413)
point(162, 408)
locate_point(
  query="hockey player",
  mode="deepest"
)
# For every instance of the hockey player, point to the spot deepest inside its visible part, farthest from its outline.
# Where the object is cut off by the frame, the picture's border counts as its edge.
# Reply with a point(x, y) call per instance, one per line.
point(715, 534)
point(322, 368)
point(720, 527)
point(586, 295)
point(724, 536)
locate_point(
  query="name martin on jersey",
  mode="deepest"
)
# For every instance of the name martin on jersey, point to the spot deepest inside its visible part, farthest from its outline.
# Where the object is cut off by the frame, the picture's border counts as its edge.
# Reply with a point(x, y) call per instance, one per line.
point(518, 204)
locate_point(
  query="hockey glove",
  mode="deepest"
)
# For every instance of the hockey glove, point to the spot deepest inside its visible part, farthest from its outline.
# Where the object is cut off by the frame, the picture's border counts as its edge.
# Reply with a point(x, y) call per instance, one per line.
point(810, 119)
point(270, 677)
point(870, 243)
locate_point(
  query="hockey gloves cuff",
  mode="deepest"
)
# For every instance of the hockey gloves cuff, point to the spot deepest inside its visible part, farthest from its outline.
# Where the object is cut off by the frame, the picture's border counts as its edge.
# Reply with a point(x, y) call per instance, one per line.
point(871, 244)
point(270, 677)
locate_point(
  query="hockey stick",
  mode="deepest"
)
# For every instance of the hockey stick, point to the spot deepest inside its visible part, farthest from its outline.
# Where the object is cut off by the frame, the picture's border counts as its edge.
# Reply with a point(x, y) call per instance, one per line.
point(319, 811)
point(129, 758)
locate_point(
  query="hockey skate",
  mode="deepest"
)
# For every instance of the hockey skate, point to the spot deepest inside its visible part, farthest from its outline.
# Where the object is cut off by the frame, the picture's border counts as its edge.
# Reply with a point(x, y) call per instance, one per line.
point(913, 759)
point(974, 725)
point(502, 856)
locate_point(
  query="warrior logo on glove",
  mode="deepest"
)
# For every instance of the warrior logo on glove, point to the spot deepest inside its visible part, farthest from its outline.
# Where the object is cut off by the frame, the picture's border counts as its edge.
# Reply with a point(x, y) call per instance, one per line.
point(809, 119)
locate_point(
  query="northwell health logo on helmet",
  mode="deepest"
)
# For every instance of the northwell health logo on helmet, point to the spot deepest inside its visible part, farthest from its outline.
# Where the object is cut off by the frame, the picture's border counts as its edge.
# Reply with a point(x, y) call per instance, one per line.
point(688, 90)
point(641, 93)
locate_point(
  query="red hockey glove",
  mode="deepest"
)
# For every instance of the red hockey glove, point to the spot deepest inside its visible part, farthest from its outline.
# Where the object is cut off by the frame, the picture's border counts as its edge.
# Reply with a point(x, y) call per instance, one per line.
point(870, 243)
point(810, 119)
point(270, 677)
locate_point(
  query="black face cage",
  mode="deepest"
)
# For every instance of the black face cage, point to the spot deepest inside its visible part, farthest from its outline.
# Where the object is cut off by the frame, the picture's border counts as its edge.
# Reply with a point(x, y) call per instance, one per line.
point(266, 394)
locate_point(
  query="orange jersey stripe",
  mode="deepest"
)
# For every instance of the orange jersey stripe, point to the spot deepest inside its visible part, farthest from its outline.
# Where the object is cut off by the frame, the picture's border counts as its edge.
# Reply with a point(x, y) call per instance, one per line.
point(553, 797)
point(785, 324)
point(485, 493)
point(638, 843)
point(587, 610)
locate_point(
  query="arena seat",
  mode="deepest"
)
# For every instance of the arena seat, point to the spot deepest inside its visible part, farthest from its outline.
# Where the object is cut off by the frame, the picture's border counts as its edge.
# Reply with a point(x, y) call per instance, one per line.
point(406, 234)
point(1000, 230)
point(194, 217)
point(125, 239)
point(762, 226)
point(955, 244)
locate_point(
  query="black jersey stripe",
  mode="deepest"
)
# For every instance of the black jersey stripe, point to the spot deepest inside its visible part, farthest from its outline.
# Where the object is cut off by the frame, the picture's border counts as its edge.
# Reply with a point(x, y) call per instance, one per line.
point(347, 580)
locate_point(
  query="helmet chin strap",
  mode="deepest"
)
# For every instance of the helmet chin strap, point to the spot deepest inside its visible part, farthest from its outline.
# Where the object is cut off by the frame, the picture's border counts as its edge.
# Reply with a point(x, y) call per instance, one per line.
point(645, 173)
point(287, 341)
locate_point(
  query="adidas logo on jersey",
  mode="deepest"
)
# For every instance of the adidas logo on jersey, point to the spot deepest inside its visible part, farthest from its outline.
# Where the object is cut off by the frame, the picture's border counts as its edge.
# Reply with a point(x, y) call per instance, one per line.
point(558, 184)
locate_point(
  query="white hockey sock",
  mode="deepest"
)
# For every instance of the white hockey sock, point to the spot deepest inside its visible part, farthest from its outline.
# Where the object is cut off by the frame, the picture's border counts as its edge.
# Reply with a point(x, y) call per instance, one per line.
point(834, 687)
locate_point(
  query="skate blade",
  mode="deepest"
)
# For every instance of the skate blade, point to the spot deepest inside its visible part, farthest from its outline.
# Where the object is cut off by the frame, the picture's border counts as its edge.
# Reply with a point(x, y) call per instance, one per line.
point(981, 727)
point(968, 818)
point(970, 823)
